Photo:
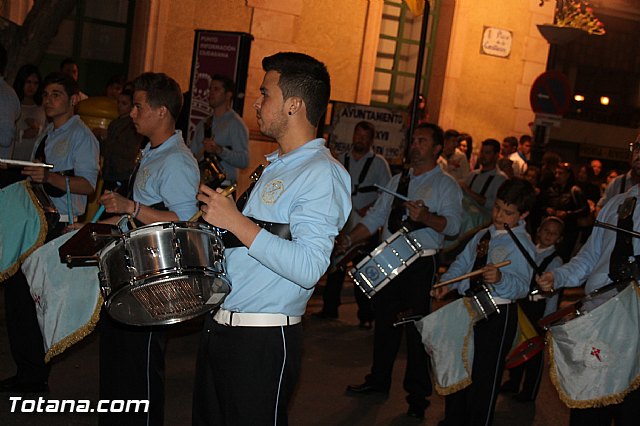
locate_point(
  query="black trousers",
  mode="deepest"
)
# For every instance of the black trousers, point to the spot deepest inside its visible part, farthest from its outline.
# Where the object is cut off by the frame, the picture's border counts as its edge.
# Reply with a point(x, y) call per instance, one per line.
point(627, 413)
point(407, 294)
point(475, 404)
point(246, 375)
point(25, 337)
point(331, 297)
point(335, 280)
point(132, 368)
point(532, 369)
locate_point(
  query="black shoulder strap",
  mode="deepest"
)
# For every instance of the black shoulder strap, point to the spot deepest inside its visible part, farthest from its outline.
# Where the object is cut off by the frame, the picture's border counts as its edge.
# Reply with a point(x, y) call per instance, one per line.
point(397, 208)
point(623, 183)
point(486, 185)
point(547, 260)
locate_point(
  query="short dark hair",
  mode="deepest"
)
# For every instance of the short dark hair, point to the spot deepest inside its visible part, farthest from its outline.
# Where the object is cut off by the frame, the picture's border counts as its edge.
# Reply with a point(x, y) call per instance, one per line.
point(451, 133)
point(525, 138)
point(436, 132)
point(228, 84)
point(67, 61)
point(512, 141)
point(162, 91)
point(127, 90)
point(304, 77)
point(493, 144)
point(66, 81)
point(518, 192)
point(21, 78)
point(4, 58)
point(367, 127)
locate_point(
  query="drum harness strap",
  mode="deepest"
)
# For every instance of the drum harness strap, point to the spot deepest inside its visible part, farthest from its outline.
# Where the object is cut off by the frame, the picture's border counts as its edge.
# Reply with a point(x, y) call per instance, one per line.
point(362, 176)
point(486, 183)
point(622, 263)
point(51, 190)
point(395, 221)
point(542, 267)
point(482, 254)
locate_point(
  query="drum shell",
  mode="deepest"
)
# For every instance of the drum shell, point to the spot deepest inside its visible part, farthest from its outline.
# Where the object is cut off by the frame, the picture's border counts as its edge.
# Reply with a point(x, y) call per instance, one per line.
point(169, 262)
point(158, 249)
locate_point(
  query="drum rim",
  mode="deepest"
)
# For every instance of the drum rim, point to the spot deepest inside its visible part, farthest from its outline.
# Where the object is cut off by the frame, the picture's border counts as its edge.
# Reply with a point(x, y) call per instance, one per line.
point(204, 308)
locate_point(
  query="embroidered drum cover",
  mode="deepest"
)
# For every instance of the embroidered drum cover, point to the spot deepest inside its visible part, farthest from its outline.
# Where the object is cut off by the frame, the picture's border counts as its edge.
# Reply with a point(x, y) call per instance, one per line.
point(447, 335)
point(67, 299)
point(23, 227)
point(595, 357)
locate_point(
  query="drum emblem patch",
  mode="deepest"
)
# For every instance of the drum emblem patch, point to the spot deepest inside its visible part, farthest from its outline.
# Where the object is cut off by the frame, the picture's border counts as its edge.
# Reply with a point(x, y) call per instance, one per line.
point(61, 148)
point(372, 272)
point(272, 191)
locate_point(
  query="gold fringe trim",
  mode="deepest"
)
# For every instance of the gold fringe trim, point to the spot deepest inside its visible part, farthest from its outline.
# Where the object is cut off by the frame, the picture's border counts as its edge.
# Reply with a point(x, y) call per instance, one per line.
point(76, 336)
point(42, 235)
point(465, 358)
point(612, 399)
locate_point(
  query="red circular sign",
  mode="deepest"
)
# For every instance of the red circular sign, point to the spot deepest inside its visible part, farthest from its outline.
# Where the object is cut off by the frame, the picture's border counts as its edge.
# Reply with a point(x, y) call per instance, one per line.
point(550, 93)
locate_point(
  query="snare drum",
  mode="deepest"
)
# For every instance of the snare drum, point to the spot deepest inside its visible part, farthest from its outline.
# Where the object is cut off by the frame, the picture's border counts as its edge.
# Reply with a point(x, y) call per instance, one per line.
point(386, 262)
point(163, 273)
point(482, 302)
point(582, 306)
point(594, 347)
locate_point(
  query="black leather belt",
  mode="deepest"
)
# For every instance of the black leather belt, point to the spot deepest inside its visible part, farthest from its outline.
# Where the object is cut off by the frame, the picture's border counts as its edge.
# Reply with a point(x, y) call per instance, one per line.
point(282, 230)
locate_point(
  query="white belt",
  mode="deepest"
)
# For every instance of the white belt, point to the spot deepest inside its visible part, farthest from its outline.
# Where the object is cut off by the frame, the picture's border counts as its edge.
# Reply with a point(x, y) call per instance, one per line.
point(65, 218)
point(242, 319)
point(501, 301)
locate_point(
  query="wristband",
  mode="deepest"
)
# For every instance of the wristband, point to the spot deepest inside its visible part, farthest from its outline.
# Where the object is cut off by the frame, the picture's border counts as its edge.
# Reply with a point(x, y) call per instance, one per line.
point(136, 210)
point(347, 240)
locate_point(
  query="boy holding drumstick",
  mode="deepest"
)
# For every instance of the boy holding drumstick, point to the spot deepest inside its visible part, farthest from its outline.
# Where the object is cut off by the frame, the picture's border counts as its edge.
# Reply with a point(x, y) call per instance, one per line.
point(492, 337)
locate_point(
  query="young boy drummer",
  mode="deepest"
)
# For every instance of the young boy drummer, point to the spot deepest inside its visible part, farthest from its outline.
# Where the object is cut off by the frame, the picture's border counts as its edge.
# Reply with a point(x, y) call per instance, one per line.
point(535, 306)
point(492, 337)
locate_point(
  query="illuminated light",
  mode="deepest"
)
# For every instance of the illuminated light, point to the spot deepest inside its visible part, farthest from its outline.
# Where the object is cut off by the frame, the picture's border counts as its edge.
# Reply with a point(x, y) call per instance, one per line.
point(579, 98)
point(604, 100)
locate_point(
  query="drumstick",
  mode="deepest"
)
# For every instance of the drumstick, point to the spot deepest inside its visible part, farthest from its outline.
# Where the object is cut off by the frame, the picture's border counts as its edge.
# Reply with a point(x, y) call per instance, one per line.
point(470, 274)
point(226, 192)
point(101, 209)
point(388, 191)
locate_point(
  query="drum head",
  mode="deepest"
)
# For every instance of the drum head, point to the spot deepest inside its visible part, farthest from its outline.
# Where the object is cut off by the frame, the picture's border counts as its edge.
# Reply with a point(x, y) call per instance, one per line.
point(524, 352)
point(167, 301)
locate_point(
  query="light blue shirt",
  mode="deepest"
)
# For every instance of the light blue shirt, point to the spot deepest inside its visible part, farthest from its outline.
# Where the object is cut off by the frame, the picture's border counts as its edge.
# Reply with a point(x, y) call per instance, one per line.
point(231, 133)
point(168, 174)
point(71, 146)
point(309, 190)
point(516, 276)
point(592, 261)
point(481, 180)
point(614, 188)
point(378, 173)
point(438, 190)
point(9, 114)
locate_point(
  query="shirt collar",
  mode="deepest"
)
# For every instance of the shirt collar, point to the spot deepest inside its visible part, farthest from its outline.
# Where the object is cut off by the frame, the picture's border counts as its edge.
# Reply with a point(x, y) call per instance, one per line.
point(312, 145)
point(66, 125)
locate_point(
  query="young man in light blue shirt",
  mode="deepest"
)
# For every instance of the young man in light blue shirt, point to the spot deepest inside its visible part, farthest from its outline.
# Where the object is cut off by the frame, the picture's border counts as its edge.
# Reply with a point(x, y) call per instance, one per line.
point(250, 353)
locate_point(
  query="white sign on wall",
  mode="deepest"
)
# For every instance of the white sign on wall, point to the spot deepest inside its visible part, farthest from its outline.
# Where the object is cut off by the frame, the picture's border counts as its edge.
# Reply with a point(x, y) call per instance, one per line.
point(496, 42)
point(389, 126)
